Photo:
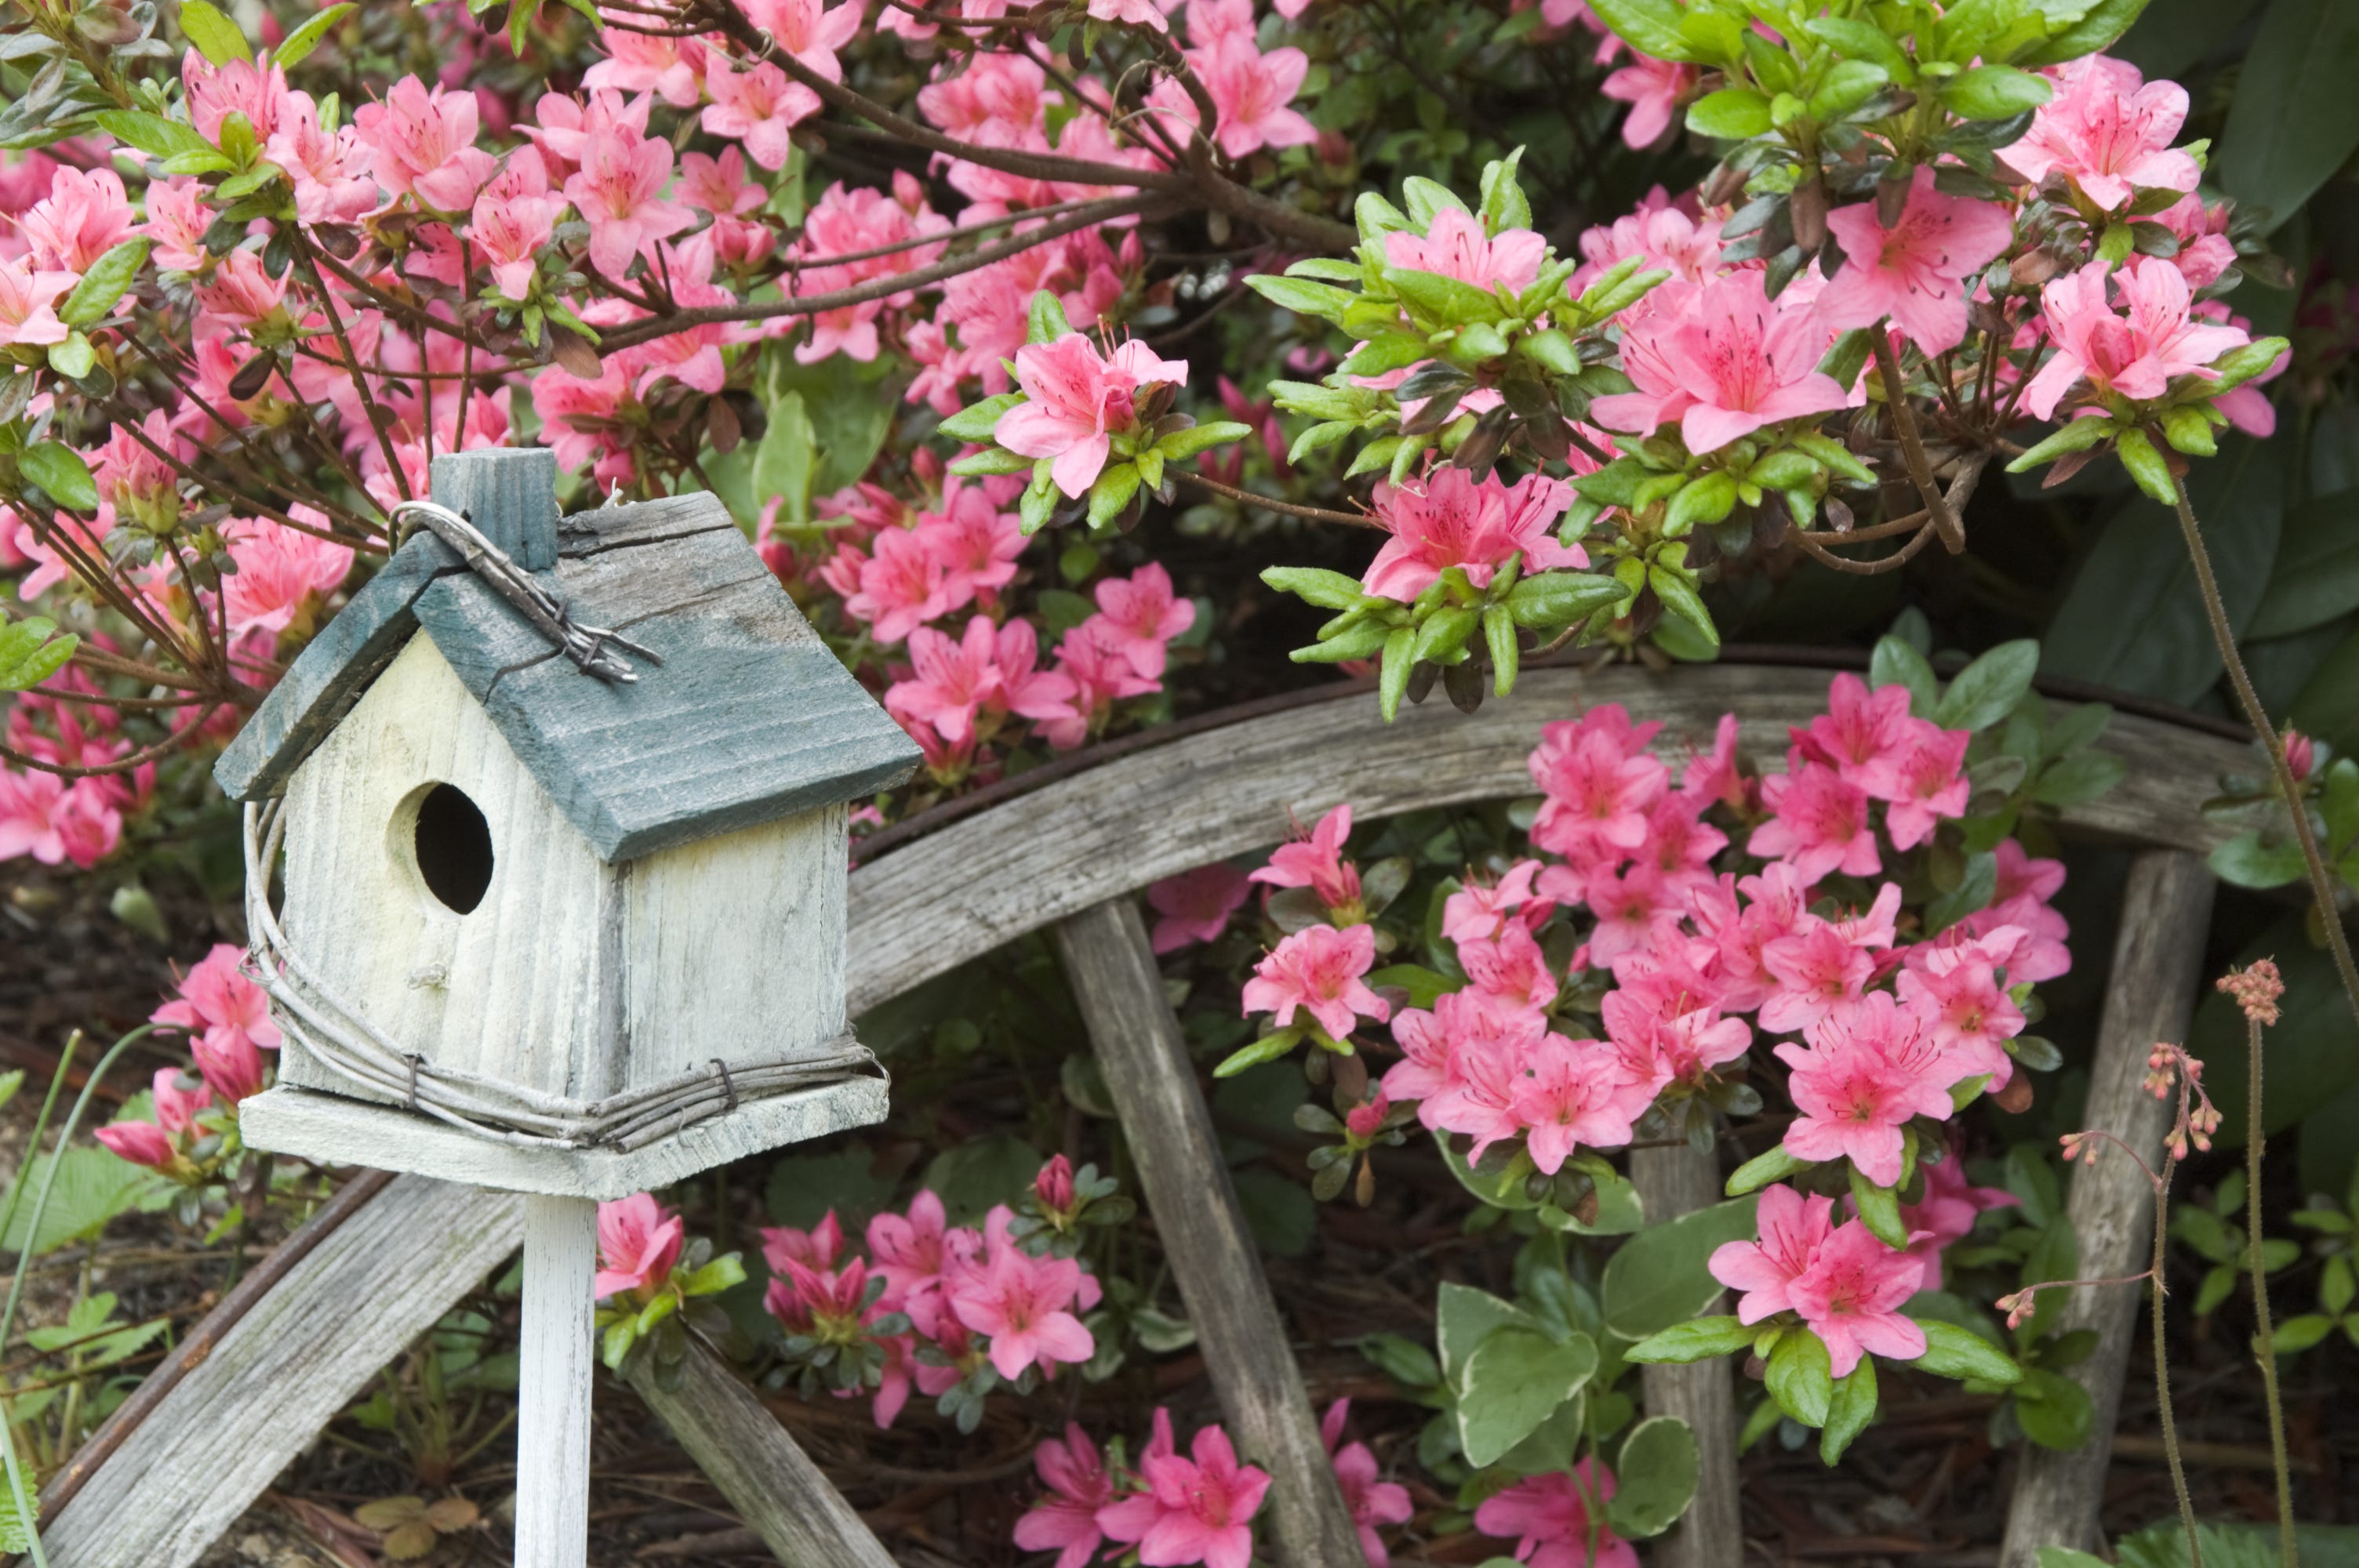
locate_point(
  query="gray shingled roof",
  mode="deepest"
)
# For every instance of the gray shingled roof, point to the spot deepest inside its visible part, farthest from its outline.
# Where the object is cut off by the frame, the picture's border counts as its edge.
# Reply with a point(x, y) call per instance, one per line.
point(750, 716)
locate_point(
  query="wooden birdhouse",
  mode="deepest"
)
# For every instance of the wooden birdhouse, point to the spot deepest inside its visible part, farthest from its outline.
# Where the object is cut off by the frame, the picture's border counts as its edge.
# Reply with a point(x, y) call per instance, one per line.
point(564, 908)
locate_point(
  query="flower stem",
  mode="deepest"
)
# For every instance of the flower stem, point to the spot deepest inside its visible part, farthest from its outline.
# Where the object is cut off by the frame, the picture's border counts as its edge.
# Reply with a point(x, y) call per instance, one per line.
point(2162, 1372)
point(2321, 887)
point(2265, 1338)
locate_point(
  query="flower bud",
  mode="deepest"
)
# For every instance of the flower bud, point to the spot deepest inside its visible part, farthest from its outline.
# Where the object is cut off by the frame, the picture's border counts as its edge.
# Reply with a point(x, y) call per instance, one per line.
point(2302, 754)
point(1054, 1187)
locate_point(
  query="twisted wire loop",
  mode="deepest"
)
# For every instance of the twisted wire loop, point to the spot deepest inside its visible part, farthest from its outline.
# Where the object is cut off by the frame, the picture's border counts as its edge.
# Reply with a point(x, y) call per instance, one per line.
point(338, 1034)
point(590, 647)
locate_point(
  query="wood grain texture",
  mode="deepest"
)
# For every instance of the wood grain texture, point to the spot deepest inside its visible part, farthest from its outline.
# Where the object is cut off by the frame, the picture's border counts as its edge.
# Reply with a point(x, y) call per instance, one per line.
point(1185, 1181)
point(759, 1467)
point(509, 494)
point(512, 989)
point(331, 672)
point(2149, 995)
point(331, 1129)
point(1672, 1182)
point(928, 906)
point(211, 1447)
point(555, 1371)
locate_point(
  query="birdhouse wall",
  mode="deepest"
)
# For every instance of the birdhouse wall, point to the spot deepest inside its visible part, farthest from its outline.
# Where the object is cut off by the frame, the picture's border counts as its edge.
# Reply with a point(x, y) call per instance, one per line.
point(569, 976)
point(514, 988)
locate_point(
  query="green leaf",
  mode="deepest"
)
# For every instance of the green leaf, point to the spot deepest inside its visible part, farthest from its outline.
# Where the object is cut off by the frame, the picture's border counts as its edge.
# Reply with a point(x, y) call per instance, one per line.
point(1651, 26)
point(1731, 114)
point(60, 469)
point(16, 1531)
point(2295, 119)
point(104, 283)
point(1987, 690)
point(850, 412)
point(1955, 1352)
point(1800, 1379)
point(92, 1186)
point(1303, 296)
point(1316, 585)
point(1428, 200)
point(1661, 1275)
point(1879, 1210)
point(1505, 206)
point(74, 357)
point(1897, 662)
point(972, 1176)
point(1392, 678)
point(2077, 779)
point(2072, 435)
point(1679, 597)
point(216, 37)
point(1513, 1380)
point(2053, 1410)
point(783, 462)
point(1848, 1413)
point(978, 421)
point(2249, 861)
point(2099, 26)
point(1045, 319)
point(1181, 445)
point(1269, 1048)
point(29, 656)
point(1696, 1339)
point(991, 460)
point(1861, 40)
point(1657, 1471)
point(1444, 299)
point(1849, 84)
point(300, 43)
point(1116, 485)
point(802, 1188)
point(2146, 465)
point(2315, 577)
point(1771, 1165)
point(1464, 1317)
point(152, 134)
point(1993, 92)
point(1560, 599)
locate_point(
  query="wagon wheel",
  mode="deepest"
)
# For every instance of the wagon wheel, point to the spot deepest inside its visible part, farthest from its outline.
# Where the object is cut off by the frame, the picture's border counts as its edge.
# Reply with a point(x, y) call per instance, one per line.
point(255, 1381)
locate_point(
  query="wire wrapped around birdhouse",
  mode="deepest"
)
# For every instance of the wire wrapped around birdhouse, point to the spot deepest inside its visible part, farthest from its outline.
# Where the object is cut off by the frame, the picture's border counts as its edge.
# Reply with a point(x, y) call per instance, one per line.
point(340, 1037)
point(590, 647)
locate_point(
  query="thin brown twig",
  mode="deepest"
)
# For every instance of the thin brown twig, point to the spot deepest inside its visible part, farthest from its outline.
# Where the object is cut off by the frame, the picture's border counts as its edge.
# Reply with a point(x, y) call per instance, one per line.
point(1291, 509)
point(1912, 451)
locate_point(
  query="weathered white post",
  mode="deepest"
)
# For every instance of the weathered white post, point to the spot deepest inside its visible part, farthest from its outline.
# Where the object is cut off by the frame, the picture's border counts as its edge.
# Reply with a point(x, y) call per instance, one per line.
point(564, 906)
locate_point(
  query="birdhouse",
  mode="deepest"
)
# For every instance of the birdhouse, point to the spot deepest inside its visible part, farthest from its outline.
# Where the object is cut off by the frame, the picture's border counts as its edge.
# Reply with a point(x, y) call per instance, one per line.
point(564, 907)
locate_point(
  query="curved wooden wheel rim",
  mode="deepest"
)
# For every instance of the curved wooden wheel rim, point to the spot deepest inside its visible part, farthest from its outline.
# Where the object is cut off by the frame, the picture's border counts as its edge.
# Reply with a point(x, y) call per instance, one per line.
point(927, 902)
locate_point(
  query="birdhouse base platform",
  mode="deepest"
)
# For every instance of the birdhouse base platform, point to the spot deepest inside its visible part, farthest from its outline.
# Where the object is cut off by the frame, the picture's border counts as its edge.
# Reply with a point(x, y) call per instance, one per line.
point(330, 1130)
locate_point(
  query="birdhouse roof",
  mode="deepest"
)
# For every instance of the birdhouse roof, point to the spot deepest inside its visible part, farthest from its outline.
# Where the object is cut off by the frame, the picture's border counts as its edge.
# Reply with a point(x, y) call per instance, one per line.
point(749, 718)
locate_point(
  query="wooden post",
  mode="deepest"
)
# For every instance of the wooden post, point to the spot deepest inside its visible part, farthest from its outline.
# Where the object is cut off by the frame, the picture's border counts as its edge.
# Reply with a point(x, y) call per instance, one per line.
point(1670, 1182)
point(758, 1467)
point(560, 1259)
point(1111, 968)
point(2150, 997)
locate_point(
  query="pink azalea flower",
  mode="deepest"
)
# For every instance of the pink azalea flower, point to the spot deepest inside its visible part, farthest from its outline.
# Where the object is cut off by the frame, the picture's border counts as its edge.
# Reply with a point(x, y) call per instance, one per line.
point(809, 30)
point(1653, 89)
point(1450, 520)
point(1250, 91)
point(513, 221)
point(28, 305)
point(1320, 970)
point(1862, 734)
point(1139, 618)
point(2021, 900)
point(424, 144)
point(1573, 1098)
point(672, 69)
point(1373, 1502)
point(1956, 995)
point(176, 1107)
point(1021, 1302)
point(1928, 784)
point(2108, 131)
point(2205, 251)
point(1600, 782)
point(1850, 1295)
point(618, 190)
point(54, 820)
point(1198, 1509)
point(816, 1248)
point(638, 1242)
point(2134, 356)
point(217, 1001)
point(1637, 910)
point(902, 586)
point(214, 93)
point(1818, 822)
point(177, 221)
point(1065, 1521)
point(951, 682)
point(141, 1142)
point(1946, 1213)
point(1140, 13)
point(1723, 359)
point(1317, 862)
point(1196, 906)
point(1076, 396)
point(1661, 236)
point(330, 172)
point(1477, 911)
point(1913, 272)
point(1549, 1515)
point(759, 107)
point(1508, 974)
point(1867, 1070)
point(83, 218)
point(911, 1252)
point(1455, 245)
point(1791, 1231)
point(1817, 971)
point(279, 569)
point(232, 1066)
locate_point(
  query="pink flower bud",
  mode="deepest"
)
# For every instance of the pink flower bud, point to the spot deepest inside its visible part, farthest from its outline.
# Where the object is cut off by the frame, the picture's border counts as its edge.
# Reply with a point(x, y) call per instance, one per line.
point(141, 1142)
point(1054, 1185)
point(1364, 1120)
point(2302, 754)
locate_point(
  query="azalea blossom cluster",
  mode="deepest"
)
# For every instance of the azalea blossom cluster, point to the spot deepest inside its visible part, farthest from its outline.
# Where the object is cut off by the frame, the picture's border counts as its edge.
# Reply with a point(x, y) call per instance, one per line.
point(226, 1017)
point(945, 1310)
point(1710, 905)
point(1175, 1510)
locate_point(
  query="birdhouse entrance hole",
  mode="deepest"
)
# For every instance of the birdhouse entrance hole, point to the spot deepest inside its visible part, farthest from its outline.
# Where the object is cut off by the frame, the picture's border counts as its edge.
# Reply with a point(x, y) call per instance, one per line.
point(452, 844)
